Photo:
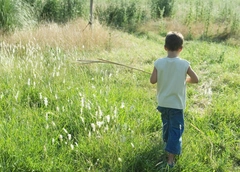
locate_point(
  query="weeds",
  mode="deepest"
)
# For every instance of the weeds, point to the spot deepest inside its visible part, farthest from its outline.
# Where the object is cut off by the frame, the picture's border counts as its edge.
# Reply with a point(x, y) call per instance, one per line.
point(161, 8)
point(124, 16)
point(15, 14)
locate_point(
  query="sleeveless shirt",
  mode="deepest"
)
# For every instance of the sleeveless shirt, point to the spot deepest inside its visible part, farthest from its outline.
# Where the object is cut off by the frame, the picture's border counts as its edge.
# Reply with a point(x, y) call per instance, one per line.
point(171, 82)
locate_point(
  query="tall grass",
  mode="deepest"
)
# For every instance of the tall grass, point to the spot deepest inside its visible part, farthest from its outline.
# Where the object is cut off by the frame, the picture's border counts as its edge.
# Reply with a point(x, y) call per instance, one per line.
point(15, 14)
point(73, 36)
point(58, 115)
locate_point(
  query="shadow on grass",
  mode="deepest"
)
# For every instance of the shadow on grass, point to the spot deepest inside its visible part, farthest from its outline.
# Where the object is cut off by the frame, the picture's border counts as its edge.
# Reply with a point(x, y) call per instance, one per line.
point(153, 159)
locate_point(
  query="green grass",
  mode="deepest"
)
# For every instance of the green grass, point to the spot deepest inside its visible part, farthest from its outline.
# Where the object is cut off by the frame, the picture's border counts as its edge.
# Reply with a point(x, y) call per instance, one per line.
point(58, 115)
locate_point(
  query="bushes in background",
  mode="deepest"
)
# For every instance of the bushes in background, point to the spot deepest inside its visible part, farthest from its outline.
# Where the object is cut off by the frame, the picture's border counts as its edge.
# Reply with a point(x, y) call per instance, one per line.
point(161, 8)
point(62, 10)
point(20, 13)
point(125, 15)
point(15, 14)
point(130, 15)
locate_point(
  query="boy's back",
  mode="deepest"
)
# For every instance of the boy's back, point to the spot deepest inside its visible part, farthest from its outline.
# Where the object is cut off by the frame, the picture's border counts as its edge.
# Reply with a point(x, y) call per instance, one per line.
point(171, 82)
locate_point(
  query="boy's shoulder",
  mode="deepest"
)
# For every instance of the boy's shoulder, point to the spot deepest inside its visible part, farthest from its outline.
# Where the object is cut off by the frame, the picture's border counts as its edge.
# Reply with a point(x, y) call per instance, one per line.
point(172, 59)
point(184, 60)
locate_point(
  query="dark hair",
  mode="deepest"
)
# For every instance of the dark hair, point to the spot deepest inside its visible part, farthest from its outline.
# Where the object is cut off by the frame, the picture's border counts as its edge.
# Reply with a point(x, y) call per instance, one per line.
point(174, 41)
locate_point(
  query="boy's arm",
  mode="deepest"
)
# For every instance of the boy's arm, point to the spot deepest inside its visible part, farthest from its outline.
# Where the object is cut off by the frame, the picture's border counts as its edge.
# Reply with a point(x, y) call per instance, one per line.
point(193, 78)
point(153, 78)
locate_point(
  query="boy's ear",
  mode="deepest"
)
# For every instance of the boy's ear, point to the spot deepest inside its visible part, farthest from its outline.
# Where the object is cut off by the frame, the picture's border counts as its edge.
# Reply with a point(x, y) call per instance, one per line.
point(165, 48)
point(180, 49)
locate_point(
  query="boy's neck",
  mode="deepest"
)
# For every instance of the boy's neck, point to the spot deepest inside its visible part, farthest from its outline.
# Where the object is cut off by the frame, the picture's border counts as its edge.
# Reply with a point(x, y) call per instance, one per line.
point(173, 54)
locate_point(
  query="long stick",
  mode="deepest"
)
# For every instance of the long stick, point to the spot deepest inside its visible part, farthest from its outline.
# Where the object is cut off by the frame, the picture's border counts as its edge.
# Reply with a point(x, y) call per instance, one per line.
point(110, 62)
point(119, 64)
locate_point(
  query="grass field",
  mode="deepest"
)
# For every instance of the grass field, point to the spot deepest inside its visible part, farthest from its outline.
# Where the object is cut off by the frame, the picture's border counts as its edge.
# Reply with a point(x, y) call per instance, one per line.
point(59, 115)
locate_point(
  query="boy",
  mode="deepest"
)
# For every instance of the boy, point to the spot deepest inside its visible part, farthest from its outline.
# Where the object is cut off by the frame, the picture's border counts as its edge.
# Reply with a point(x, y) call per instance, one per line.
point(170, 75)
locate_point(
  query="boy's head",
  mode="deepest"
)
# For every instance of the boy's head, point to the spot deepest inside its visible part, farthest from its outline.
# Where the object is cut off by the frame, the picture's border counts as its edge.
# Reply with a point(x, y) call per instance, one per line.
point(174, 41)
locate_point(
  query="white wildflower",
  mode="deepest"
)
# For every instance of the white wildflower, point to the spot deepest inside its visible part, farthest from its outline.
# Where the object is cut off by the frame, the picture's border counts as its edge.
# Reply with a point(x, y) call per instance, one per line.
point(120, 159)
point(2, 95)
point(53, 123)
point(40, 96)
point(89, 134)
point(82, 101)
point(100, 123)
point(82, 119)
point(132, 145)
point(16, 96)
point(108, 118)
point(80, 94)
point(65, 130)
point(72, 146)
point(89, 105)
point(45, 101)
point(69, 136)
point(29, 82)
point(100, 112)
point(93, 127)
point(122, 105)
point(61, 137)
point(45, 148)
point(53, 140)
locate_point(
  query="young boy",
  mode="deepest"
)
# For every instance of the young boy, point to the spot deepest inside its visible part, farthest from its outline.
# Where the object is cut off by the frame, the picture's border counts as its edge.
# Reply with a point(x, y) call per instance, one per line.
point(170, 74)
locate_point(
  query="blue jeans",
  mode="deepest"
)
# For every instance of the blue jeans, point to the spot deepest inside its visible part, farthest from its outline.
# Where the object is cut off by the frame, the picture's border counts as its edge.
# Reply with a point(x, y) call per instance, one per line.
point(173, 127)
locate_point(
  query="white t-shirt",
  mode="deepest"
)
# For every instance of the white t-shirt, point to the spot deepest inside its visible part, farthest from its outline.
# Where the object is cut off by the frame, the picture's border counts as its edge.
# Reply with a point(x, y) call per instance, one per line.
point(171, 82)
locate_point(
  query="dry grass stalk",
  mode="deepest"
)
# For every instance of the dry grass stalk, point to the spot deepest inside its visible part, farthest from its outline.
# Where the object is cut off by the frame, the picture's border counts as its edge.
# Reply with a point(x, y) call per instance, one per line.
point(110, 62)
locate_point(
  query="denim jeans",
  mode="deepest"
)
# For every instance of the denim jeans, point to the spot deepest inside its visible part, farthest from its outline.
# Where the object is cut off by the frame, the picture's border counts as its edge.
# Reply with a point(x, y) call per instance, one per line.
point(173, 127)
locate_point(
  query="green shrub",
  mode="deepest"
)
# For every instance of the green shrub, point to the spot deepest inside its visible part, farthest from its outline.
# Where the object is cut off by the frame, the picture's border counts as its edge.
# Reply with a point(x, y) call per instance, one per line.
point(125, 15)
point(15, 14)
point(61, 10)
point(161, 8)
